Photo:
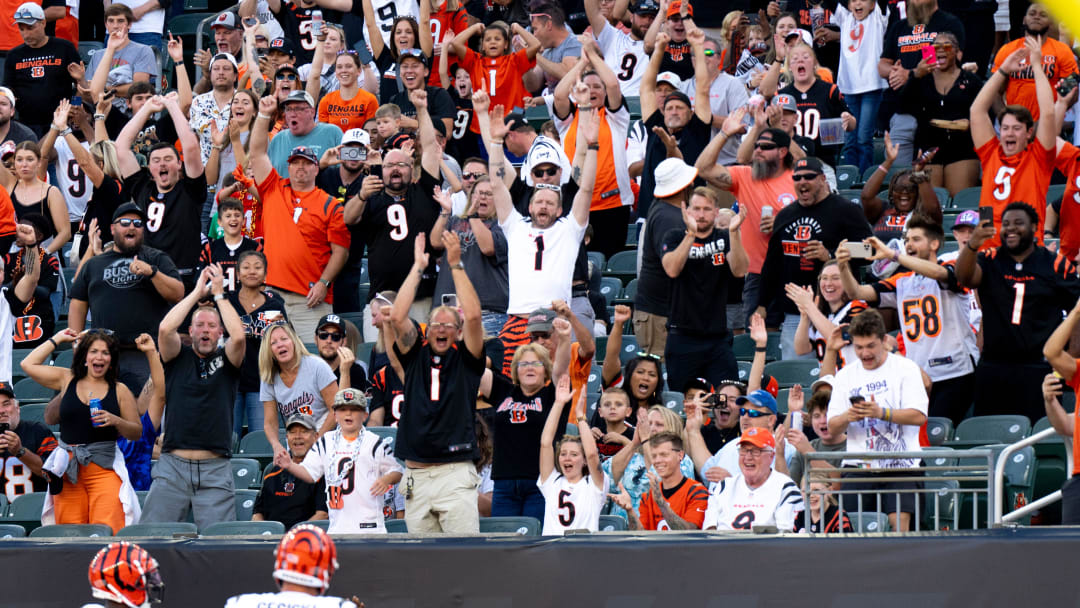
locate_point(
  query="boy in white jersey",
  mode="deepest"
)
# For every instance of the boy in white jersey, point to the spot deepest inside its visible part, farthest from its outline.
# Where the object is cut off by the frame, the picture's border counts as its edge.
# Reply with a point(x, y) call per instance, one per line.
point(304, 562)
point(933, 310)
point(358, 466)
point(758, 495)
point(573, 498)
point(963, 227)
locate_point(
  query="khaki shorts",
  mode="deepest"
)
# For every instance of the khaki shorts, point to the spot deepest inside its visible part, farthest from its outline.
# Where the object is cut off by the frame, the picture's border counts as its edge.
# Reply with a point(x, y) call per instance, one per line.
point(443, 499)
point(303, 319)
point(651, 332)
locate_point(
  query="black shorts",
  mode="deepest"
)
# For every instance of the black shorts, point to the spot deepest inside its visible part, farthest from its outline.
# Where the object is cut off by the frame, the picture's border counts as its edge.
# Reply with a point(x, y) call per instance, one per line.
point(953, 146)
point(1070, 501)
point(871, 490)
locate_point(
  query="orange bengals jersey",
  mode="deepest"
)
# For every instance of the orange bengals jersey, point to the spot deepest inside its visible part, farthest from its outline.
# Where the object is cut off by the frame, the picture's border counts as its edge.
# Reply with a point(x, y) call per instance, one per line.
point(1075, 384)
point(7, 214)
point(501, 77)
point(1068, 162)
point(1023, 177)
point(688, 502)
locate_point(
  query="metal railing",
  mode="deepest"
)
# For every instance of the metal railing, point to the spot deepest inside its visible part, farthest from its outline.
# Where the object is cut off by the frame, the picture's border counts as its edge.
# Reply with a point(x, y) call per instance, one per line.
point(999, 477)
point(967, 469)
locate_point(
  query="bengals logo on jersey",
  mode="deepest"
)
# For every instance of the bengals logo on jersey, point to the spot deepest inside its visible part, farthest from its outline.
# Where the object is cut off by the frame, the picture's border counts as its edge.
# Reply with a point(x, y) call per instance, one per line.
point(28, 329)
point(803, 233)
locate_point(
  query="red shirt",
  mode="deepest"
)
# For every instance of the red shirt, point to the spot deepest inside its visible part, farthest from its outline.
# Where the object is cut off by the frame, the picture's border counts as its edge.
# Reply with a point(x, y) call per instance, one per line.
point(501, 77)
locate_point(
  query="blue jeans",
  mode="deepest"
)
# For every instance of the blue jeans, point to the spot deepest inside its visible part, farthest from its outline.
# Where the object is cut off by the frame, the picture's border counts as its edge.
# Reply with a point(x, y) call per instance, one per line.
point(517, 497)
point(247, 404)
point(493, 322)
point(859, 144)
point(147, 38)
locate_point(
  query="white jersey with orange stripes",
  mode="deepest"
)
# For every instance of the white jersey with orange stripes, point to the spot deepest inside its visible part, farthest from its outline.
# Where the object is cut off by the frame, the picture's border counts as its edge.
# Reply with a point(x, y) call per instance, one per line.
point(934, 322)
point(843, 315)
point(975, 313)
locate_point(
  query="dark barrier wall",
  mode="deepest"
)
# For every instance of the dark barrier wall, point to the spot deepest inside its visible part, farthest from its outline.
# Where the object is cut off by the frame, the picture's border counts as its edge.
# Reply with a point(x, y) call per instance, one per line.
point(997, 568)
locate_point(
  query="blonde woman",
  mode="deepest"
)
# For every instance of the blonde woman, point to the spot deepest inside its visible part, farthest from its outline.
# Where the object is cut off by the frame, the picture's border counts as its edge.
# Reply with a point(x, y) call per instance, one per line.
point(631, 463)
point(292, 381)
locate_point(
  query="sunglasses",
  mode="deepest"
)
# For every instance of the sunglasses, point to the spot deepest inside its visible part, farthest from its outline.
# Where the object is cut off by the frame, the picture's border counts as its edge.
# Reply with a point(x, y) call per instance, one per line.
point(551, 187)
point(333, 336)
point(127, 221)
point(766, 146)
point(442, 325)
point(709, 52)
point(550, 172)
point(540, 335)
point(645, 355)
point(803, 177)
point(347, 52)
point(943, 48)
point(753, 413)
point(473, 175)
point(287, 77)
point(522, 364)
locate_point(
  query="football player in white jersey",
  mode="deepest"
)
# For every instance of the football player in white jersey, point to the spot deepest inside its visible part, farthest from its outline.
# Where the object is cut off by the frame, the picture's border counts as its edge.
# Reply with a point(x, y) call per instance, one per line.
point(358, 465)
point(304, 562)
point(573, 495)
point(758, 495)
point(125, 576)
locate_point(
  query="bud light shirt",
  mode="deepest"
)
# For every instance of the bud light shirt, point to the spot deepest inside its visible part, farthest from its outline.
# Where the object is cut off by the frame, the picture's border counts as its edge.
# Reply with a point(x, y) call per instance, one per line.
point(121, 300)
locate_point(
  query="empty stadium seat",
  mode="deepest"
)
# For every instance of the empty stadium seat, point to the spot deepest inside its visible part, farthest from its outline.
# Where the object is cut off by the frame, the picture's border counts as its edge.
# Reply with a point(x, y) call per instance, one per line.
point(1004, 428)
point(869, 521)
point(855, 196)
point(939, 430)
point(629, 349)
point(64, 358)
point(363, 353)
point(846, 177)
point(744, 370)
point(628, 294)
point(72, 531)
point(968, 198)
point(944, 199)
point(166, 530)
point(744, 347)
point(526, 526)
point(612, 523)
point(939, 456)
point(255, 445)
point(597, 259)
point(246, 473)
point(25, 510)
point(888, 176)
point(244, 528)
point(939, 508)
point(610, 288)
point(34, 412)
point(572, 429)
point(790, 373)
point(245, 504)
point(622, 265)
point(396, 526)
point(29, 391)
point(673, 401)
point(12, 531)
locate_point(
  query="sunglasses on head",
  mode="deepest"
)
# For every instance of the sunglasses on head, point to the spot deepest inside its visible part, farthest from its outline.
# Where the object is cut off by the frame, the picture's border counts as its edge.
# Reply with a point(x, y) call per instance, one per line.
point(411, 53)
point(645, 355)
point(333, 336)
point(753, 413)
point(347, 52)
point(803, 177)
point(541, 172)
point(287, 77)
point(127, 221)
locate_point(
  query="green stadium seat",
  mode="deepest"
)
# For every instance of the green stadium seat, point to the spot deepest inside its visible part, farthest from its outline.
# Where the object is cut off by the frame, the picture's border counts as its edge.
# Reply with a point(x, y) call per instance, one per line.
point(594, 382)
point(629, 349)
point(939, 456)
point(1055, 192)
point(12, 531)
point(72, 531)
point(597, 259)
point(939, 430)
point(944, 198)
point(188, 23)
point(869, 521)
point(1003, 428)
point(634, 105)
point(537, 116)
point(846, 177)
point(796, 371)
point(622, 265)
point(525, 526)
point(601, 348)
point(246, 473)
point(25, 510)
point(673, 400)
point(968, 198)
point(363, 352)
point(396, 526)
point(255, 445)
point(744, 370)
point(356, 318)
point(164, 529)
point(632, 233)
point(387, 433)
point(888, 176)
point(627, 297)
point(64, 358)
point(196, 5)
point(29, 391)
point(319, 523)
point(612, 523)
point(855, 196)
point(244, 528)
point(87, 49)
point(744, 347)
point(245, 504)
point(939, 508)
point(572, 429)
point(610, 287)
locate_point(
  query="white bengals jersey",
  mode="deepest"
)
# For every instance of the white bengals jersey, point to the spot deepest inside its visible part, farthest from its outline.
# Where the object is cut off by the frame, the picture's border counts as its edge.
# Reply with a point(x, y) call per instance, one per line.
point(625, 56)
point(571, 506)
point(934, 322)
point(286, 599)
point(974, 311)
point(540, 261)
point(74, 184)
point(734, 506)
point(352, 508)
point(388, 10)
point(843, 315)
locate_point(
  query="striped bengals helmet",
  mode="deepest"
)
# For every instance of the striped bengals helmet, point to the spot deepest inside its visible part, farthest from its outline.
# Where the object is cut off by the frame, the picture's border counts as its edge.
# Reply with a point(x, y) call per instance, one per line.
point(124, 572)
point(306, 556)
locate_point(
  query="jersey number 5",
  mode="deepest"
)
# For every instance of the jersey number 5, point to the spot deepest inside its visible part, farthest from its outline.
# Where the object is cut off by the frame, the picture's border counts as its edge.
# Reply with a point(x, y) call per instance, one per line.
point(567, 511)
point(1003, 180)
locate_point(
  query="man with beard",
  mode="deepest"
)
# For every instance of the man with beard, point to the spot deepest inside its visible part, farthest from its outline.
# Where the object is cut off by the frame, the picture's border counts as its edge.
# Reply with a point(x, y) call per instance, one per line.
point(11, 129)
point(172, 202)
point(128, 276)
point(306, 242)
point(301, 129)
point(804, 237)
point(1023, 289)
point(624, 53)
point(688, 124)
point(763, 189)
point(1012, 168)
point(901, 54)
point(332, 342)
point(1058, 61)
point(391, 209)
point(343, 182)
point(193, 471)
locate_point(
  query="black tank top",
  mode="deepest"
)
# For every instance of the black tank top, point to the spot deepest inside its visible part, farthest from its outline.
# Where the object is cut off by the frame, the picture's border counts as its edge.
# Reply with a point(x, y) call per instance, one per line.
point(41, 207)
point(76, 427)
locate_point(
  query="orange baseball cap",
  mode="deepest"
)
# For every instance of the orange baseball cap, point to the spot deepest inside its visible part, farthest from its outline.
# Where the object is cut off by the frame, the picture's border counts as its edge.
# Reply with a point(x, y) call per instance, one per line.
point(676, 7)
point(759, 437)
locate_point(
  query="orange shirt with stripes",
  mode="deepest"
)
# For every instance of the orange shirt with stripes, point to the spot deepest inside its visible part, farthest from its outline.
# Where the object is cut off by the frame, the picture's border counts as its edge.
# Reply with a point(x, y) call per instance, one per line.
point(348, 113)
point(688, 502)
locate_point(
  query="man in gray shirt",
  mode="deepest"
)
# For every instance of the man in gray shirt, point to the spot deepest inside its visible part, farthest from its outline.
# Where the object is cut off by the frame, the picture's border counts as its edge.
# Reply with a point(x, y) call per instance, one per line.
point(561, 49)
point(726, 94)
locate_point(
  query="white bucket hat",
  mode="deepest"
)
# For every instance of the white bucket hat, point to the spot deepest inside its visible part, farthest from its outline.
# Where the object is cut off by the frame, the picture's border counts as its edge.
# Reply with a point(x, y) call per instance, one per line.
point(672, 176)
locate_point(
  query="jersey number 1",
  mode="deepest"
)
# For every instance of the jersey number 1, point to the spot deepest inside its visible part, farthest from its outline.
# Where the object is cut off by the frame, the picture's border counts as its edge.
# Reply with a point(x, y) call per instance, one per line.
point(1018, 303)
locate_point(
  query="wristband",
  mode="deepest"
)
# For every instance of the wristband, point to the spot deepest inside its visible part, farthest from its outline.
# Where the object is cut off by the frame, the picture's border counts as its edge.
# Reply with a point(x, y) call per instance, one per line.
point(975, 249)
point(593, 147)
point(458, 266)
point(54, 127)
point(261, 115)
point(55, 345)
point(217, 147)
point(178, 63)
point(760, 349)
point(882, 169)
point(219, 297)
point(65, 132)
point(99, 116)
point(325, 282)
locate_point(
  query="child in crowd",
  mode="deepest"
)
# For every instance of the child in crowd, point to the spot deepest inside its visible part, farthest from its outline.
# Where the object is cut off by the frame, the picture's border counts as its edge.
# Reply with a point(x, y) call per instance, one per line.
point(496, 70)
point(817, 410)
point(227, 249)
point(358, 465)
point(387, 121)
point(613, 432)
point(862, 36)
point(575, 487)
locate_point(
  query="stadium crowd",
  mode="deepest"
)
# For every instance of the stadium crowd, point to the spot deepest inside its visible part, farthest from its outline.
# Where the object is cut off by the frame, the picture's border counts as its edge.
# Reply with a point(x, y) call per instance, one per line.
point(382, 238)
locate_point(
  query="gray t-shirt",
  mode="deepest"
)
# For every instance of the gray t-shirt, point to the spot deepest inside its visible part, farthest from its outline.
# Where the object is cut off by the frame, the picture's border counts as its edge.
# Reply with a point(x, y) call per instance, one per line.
point(570, 47)
point(726, 94)
point(487, 273)
point(134, 57)
point(305, 394)
point(798, 463)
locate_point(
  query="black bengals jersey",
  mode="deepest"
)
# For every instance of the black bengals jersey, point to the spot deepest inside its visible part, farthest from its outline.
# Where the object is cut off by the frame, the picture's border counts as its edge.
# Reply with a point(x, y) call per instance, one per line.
point(219, 252)
point(34, 320)
point(172, 218)
point(387, 392)
point(15, 477)
point(821, 101)
point(1023, 302)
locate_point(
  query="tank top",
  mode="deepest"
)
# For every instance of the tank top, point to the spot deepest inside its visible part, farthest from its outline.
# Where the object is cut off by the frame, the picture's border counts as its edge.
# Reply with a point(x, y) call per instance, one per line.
point(42, 207)
point(76, 427)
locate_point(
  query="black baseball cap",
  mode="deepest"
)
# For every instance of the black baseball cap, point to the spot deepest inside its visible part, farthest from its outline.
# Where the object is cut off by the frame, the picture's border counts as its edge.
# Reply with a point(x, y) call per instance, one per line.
point(515, 121)
point(7, 389)
point(680, 96)
point(777, 136)
point(330, 319)
point(699, 383)
point(127, 208)
point(639, 7)
point(810, 163)
point(282, 45)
